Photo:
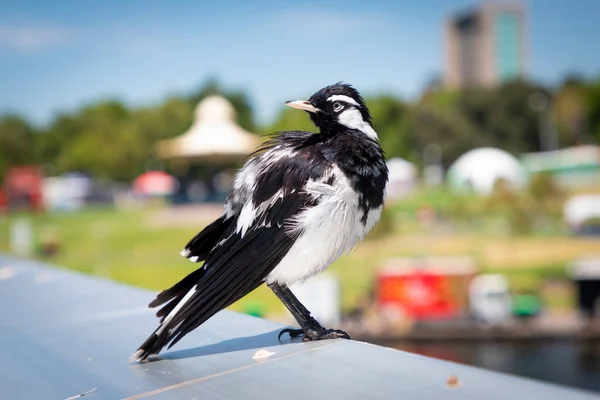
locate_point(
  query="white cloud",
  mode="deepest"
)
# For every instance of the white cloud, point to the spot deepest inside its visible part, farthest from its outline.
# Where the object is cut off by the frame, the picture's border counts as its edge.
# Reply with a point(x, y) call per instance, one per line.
point(32, 39)
point(325, 23)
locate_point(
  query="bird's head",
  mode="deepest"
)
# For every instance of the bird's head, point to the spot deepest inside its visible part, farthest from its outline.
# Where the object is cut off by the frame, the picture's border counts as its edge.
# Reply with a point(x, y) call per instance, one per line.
point(335, 108)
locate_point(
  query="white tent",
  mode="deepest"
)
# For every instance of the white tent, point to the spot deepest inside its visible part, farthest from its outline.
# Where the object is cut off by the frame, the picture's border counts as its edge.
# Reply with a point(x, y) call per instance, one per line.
point(480, 168)
point(213, 136)
point(402, 177)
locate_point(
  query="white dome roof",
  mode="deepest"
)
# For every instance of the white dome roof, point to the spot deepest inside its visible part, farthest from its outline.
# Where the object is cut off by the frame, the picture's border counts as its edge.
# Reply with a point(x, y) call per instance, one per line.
point(214, 134)
point(480, 168)
point(214, 108)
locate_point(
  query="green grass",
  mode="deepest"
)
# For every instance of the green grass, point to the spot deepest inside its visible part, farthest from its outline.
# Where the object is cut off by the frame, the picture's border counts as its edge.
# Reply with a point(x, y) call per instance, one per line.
point(112, 244)
point(121, 246)
point(125, 246)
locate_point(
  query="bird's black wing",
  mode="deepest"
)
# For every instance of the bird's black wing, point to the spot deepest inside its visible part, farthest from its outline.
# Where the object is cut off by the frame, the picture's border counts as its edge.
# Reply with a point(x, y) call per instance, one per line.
point(248, 250)
point(197, 249)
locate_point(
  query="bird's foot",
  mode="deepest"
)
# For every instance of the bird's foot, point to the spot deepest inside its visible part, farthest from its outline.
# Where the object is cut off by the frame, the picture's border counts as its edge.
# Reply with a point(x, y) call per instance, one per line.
point(315, 333)
point(323, 334)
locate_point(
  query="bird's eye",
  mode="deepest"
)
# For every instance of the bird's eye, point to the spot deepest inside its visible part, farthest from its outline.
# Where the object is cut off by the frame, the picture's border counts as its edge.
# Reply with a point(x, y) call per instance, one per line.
point(337, 106)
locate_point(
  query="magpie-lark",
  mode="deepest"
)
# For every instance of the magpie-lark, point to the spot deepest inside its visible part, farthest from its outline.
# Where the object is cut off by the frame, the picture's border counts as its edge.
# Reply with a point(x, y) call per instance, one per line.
point(300, 201)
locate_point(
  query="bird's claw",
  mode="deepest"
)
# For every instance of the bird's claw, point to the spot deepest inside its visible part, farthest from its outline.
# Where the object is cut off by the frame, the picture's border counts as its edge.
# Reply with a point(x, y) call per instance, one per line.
point(290, 331)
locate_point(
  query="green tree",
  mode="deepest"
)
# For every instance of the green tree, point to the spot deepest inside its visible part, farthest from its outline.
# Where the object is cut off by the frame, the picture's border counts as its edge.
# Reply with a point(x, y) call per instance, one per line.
point(108, 139)
point(503, 115)
point(391, 121)
point(449, 130)
point(101, 140)
point(52, 140)
point(474, 117)
point(592, 96)
point(163, 121)
point(16, 143)
point(291, 119)
point(570, 112)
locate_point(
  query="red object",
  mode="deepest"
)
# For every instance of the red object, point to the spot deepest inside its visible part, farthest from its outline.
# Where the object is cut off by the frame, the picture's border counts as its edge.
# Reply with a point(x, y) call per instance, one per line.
point(3, 203)
point(154, 183)
point(429, 293)
point(23, 188)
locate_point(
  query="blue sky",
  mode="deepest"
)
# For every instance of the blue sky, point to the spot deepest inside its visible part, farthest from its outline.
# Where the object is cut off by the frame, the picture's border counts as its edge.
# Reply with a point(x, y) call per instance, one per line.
point(58, 55)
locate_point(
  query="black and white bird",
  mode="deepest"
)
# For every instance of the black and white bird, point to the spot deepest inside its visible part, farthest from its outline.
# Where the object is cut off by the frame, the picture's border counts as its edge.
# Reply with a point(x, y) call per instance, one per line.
point(301, 200)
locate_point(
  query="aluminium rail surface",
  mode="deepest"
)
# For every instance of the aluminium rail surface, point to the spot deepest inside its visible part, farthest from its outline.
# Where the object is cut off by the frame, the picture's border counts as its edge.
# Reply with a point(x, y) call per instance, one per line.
point(63, 334)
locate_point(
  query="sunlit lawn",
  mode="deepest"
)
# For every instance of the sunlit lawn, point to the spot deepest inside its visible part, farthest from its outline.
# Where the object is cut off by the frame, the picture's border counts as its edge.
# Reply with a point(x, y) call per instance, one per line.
point(125, 247)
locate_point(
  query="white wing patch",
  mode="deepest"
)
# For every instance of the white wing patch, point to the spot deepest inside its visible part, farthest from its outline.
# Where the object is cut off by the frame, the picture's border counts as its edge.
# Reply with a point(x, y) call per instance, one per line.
point(250, 213)
point(246, 218)
point(244, 183)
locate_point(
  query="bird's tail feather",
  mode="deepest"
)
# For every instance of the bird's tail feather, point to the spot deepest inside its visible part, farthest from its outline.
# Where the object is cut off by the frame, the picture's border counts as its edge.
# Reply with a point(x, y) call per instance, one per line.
point(151, 346)
point(172, 297)
point(197, 249)
point(201, 294)
point(200, 246)
point(234, 271)
point(166, 334)
point(175, 293)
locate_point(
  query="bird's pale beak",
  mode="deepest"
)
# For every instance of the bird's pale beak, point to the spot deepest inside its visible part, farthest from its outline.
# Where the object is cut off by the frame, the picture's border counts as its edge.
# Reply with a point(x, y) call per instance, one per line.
point(302, 105)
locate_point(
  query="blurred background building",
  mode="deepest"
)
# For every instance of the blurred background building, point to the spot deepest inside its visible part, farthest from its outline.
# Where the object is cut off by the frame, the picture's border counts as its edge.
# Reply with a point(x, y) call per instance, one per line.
point(485, 46)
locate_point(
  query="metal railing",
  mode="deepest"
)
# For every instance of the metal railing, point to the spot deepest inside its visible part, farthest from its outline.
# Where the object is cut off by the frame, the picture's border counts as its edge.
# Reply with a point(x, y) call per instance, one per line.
point(63, 335)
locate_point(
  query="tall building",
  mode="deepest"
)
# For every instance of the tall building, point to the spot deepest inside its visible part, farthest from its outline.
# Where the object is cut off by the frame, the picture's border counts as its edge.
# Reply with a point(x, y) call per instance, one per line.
point(485, 46)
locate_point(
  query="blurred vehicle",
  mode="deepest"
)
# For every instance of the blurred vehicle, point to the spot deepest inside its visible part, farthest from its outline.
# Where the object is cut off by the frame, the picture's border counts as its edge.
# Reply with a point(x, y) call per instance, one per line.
point(23, 188)
point(489, 299)
point(73, 191)
point(426, 288)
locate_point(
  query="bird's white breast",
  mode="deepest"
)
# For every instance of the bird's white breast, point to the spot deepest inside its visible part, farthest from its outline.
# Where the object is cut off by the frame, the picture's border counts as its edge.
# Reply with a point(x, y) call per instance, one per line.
point(327, 230)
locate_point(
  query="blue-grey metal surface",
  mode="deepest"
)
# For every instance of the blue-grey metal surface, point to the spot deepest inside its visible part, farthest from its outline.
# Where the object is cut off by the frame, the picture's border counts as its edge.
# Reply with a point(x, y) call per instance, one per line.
point(63, 334)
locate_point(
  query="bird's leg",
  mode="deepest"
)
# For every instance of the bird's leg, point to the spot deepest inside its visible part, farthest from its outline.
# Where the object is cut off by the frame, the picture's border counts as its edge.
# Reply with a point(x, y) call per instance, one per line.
point(297, 309)
point(311, 329)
